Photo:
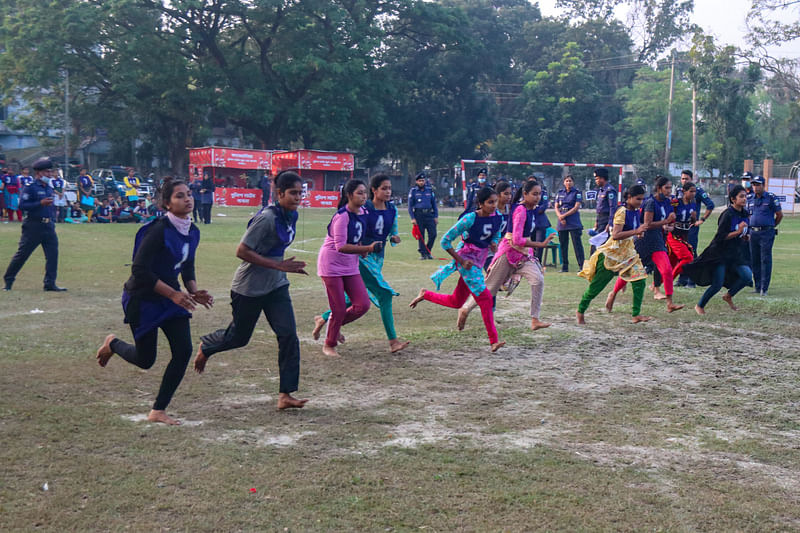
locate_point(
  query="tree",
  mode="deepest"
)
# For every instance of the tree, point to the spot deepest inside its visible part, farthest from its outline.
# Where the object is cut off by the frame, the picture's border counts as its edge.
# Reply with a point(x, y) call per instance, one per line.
point(768, 27)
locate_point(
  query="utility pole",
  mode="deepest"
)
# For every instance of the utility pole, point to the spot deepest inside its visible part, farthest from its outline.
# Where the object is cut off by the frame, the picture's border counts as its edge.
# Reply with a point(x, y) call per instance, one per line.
point(669, 115)
point(66, 123)
point(694, 129)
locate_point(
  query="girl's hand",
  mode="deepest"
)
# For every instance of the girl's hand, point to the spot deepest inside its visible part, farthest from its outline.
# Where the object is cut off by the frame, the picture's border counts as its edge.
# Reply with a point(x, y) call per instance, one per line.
point(549, 238)
point(671, 218)
point(203, 298)
point(641, 229)
point(295, 267)
point(742, 226)
point(493, 247)
point(699, 223)
point(395, 239)
point(184, 300)
point(467, 264)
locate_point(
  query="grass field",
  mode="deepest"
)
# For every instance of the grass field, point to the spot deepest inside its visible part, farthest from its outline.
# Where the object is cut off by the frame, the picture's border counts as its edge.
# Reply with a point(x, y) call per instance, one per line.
point(681, 424)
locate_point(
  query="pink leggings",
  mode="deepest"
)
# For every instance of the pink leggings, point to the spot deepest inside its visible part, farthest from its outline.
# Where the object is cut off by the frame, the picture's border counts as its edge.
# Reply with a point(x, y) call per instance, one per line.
point(460, 296)
point(661, 260)
point(336, 287)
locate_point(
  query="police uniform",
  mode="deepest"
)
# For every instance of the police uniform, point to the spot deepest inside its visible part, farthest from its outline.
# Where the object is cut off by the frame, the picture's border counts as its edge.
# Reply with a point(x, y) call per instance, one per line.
point(762, 212)
point(542, 223)
point(423, 209)
point(571, 227)
point(605, 207)
point(38, 228)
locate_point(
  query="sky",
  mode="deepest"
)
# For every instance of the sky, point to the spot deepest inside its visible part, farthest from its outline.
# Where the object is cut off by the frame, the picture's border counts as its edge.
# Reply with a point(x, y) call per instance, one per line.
point(724, 19)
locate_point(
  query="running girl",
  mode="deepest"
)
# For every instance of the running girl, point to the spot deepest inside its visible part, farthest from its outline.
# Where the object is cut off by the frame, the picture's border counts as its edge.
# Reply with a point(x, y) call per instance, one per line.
point(678, 247)
point(652, 246)
point(152, 297)
point(514, 257)
point(618, 256)
point(337, 262)
point(479, 230)
point(725, 261)
point(260, 285)
point(381, 224)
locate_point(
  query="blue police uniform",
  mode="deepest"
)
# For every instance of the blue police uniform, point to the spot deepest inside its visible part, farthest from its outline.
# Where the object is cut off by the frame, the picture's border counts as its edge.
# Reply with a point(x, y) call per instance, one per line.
point(38, 228)
point(605, 207)
point(762, 236)
point(541, 222)
point(472, 190)
point(265, 185)
point(571, 227)
point(423, 209)
point(197, 210)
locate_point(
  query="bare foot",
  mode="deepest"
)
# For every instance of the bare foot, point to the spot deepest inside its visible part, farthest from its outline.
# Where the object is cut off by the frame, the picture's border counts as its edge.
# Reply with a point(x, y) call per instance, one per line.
point(641, 318)
point(673, 307)
point(497, 345)
point(728, 298)
point(319, 323)
point(538, 324)
point(104, 353)
point(200, 360)
point(579, 318)
point(162, 418)
point(610, 301)
point(418, 299)
point(658, 295)
point(462, 319)
point(330, 351)
point(286, 401)
point(699, 310)
point(395, 345)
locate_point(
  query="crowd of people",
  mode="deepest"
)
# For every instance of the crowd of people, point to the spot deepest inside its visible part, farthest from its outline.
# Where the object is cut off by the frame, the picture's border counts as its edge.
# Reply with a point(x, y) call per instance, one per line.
point(493, 245)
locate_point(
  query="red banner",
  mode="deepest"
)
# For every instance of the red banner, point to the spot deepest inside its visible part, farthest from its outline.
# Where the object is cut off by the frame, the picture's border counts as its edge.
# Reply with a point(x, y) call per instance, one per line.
point(322, 199)
point(237, 197)
point(213, 156)
point(313, 160)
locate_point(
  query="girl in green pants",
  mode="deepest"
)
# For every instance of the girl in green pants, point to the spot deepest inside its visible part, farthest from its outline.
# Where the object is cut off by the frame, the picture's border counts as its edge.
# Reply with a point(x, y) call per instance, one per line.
point(618, 256)
point(381, 225)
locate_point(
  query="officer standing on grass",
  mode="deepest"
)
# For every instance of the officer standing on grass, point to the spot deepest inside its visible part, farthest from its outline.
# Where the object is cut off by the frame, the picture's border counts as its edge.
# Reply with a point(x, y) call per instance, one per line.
point(694, 233)
point(606, 204)
point(424, 213)
point(38, 228)
point(765, 215)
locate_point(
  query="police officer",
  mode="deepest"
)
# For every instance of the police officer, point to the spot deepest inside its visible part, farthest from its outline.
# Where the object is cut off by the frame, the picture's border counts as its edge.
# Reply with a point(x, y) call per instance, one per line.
point(701, 196)
point(38, 228)
point(606, 204)
point(473, 189)
point(265, 184)
point(424, 213)
point(765, 215)
point(747, 183)
point(540, 219)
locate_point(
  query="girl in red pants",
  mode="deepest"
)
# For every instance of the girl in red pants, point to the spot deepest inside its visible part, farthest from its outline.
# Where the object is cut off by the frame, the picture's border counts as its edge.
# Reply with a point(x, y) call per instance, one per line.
point(479, 230)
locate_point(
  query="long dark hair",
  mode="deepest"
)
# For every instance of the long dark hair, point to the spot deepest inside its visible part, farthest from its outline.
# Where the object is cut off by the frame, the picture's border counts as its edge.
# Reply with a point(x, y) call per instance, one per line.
point(526, 188)
point(500, 186)
point(484, 194)
point(376, 182)
point(633, 190)
point(661, 181)
point(348, 190)
point(165, 190)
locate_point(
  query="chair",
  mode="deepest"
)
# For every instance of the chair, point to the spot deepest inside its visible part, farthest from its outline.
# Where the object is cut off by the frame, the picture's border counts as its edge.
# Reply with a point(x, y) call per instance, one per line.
point(554, 247)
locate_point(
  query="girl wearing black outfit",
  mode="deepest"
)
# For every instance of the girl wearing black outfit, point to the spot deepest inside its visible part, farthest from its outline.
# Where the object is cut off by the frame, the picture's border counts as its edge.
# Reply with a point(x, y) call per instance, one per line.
point(724, 262)
point(152, 297)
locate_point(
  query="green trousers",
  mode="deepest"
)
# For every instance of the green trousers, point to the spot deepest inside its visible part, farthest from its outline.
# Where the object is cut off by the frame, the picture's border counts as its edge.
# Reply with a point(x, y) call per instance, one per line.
point(599, 282)
point(383, 296)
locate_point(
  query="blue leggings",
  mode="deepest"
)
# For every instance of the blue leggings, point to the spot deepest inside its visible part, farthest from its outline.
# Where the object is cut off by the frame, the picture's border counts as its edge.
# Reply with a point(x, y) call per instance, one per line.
point(744, 275)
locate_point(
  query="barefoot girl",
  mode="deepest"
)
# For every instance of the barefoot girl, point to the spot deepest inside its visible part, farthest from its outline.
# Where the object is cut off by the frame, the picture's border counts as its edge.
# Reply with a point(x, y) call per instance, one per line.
point(337, 262)
point(381, 224)
point(678, 247)
point(725, 262)
point(515, 257)
point(652, 246)
point(260, 285)
point(478, 230)
point(618, 256)
point(152, 297)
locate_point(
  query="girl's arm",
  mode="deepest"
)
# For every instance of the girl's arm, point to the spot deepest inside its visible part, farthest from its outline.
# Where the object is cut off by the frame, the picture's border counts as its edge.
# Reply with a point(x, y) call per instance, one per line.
point(453, 233)
point(339, 232)
point(394, 233)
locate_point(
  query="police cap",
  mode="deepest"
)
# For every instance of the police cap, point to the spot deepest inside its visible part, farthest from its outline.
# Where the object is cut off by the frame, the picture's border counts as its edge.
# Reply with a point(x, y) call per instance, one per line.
point(483, 171)
point(747, 175)
point(759, 179)
point(43, 163)
point(421, 176)
point(601, 173)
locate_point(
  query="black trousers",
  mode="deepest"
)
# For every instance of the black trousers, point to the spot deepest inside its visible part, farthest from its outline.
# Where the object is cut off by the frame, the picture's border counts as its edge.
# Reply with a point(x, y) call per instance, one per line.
point(426, 223)
point(35, 233)
point(206, 213)
point(563, 239)
point(277, 308)
point(143, 355)
point(197, 210)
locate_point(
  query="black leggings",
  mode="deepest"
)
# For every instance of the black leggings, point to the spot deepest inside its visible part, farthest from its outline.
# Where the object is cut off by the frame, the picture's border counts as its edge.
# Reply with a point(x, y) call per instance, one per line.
point(143, 355)
point(563, 239)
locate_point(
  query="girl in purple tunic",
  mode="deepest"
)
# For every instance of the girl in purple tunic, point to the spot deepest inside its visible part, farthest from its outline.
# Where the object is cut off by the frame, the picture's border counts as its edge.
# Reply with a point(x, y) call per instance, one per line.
point(337, 262)
point(152, 297)
point(479, 230)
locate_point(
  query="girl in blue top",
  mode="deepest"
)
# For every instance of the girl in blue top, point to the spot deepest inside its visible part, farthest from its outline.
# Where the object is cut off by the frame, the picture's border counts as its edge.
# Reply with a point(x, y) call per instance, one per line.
point(479, 231)
point(568, 203)
point(152, 297)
